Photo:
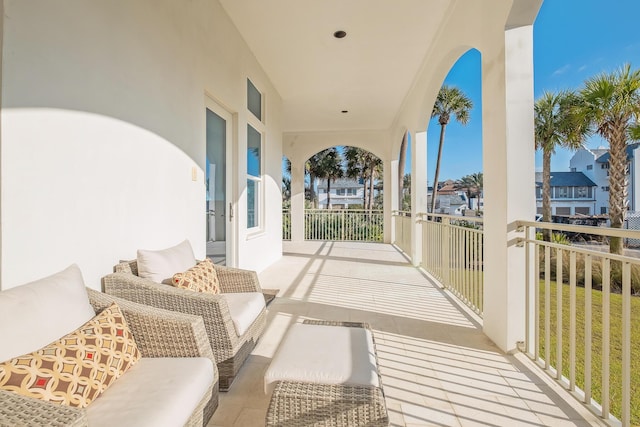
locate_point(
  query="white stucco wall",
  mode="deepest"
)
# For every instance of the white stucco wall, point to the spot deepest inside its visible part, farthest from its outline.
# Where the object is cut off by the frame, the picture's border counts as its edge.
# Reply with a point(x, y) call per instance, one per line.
point(102, 122)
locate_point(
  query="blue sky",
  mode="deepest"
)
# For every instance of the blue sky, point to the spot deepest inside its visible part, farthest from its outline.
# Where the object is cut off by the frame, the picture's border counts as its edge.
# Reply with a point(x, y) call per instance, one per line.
point(573, 41)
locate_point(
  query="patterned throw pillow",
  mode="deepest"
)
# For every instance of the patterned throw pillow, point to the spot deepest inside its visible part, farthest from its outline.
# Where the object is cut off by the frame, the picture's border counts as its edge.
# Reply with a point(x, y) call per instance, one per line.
point(77, 368)
point(200, 278)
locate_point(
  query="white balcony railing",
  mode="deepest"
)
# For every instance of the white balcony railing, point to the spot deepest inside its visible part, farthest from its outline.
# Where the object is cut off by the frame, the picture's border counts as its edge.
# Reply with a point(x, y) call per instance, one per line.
point(452, 251)
point(402, 226)
point(579, 317)
point(286, 224)
point(344, 225)
point(582, 309)
point(340, 225)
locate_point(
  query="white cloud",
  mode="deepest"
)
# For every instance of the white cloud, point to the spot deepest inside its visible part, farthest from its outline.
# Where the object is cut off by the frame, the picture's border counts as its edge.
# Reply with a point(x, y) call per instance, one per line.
point(582, 68)
point(562, 70)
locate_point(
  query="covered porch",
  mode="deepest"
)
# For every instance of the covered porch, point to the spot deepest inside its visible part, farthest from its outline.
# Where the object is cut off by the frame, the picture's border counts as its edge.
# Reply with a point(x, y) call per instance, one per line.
point(438, 368)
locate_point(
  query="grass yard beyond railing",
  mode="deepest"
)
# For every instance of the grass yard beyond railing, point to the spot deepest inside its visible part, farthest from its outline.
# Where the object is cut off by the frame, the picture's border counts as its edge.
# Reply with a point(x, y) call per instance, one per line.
point(615, 357)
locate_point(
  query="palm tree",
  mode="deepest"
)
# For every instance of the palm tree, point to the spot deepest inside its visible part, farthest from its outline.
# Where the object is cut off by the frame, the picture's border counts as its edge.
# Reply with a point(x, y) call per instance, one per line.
point(451, 101)
point(401, 165)
point(329, 168)
point(356, 167)
point(311, 167)
point(362, 164)
point(472, 185)
point(611, 106)
point(406, 193)
point(556, 125)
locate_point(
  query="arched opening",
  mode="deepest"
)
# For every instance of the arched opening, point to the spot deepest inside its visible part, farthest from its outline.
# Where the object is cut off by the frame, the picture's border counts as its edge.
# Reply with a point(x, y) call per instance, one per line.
point(345, 177)
point(454, 156)
point(343, 196)
point(404, 174)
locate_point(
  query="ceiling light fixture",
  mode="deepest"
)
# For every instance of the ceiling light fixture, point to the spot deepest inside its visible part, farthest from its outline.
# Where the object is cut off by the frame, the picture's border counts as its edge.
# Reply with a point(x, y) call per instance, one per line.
point(340, 34)
point(344, 111)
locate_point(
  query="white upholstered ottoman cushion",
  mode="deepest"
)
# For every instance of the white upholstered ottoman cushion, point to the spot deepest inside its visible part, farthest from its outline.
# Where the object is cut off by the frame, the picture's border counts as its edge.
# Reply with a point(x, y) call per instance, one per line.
point(244, 308)
point(325, 355)
point(156, 392)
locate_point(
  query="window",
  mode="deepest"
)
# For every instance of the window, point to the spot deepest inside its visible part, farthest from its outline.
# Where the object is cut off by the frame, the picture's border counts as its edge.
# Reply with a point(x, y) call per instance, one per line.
point(582, 192)
point(573, 169)
point(604, 165)
point(589, 167)
point(563, 192)
point(603, 210)
point(583, 211)
point(254, 100)
point(254, 176)
point(538, 193)
point(563, 211)
point(605, 188)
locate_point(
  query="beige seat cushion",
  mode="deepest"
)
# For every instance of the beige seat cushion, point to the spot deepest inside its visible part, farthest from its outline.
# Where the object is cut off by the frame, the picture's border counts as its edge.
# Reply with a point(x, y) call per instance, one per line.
point(244, 308)
point(38, 313)
point(324, 355)
point(156, 392)
point(160, 266)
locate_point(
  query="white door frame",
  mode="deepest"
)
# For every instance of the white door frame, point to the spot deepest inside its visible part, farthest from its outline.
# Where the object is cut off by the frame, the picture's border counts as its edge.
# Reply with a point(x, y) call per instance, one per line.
point(230, 216)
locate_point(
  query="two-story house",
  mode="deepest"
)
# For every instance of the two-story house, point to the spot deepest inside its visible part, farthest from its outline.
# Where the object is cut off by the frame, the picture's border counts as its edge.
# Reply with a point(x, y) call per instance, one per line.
point(345, 192)
point(572, 193)
point(594, 163)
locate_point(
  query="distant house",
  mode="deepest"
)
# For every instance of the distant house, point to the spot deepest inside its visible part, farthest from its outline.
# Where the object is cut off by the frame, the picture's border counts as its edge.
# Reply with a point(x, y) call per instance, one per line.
point(449, 201)
point(572, 193)
point(345, 192)
point(594, 163)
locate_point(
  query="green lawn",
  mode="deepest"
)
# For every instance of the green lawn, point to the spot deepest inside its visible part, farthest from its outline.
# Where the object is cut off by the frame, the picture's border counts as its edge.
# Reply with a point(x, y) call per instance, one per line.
point(596, 356)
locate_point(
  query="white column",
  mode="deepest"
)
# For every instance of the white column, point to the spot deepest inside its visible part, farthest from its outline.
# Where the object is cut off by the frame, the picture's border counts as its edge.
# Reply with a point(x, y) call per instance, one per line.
point(418, 192)
point(390, 198)
point(297, 201)
point(508, 164)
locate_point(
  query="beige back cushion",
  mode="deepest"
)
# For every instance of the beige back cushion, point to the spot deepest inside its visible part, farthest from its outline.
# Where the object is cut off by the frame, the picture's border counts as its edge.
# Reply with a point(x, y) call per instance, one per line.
point(160, 266)
point(35, 314)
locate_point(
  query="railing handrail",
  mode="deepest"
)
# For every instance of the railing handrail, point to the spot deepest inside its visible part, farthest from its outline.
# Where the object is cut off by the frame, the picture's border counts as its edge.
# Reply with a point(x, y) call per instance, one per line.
point(584, 229)
point(400, 213)
point(451, 217)
point(342, 210)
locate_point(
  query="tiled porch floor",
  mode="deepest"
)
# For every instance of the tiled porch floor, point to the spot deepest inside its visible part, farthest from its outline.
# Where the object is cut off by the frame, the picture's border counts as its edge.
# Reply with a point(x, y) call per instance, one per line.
point(438, 368)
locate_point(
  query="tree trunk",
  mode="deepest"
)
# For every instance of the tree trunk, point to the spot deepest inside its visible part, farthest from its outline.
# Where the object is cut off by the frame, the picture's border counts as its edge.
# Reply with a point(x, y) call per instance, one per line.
point(312, 190)
point(364, 192)
point(546, 192)
point(435, 179)
point(617, 185)
point(328, 193)
point(401, 165)
point(371, 192)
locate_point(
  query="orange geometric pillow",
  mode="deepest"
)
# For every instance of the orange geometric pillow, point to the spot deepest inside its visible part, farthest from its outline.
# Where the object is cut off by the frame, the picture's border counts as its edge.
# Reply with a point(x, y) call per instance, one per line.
point(200, 278)
point(77, 368)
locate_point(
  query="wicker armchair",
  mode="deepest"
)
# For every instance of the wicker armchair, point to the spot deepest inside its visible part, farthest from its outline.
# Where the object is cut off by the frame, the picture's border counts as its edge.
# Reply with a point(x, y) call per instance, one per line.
point(229, 349)
point(158, 333)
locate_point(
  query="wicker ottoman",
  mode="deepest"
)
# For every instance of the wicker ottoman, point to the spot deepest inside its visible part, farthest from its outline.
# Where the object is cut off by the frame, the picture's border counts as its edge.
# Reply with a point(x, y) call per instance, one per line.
point(326, 374)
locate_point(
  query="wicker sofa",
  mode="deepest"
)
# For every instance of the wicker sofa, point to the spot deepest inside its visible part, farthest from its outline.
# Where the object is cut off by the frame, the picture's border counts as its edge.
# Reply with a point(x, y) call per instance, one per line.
point(174, 383)
point(229, 348)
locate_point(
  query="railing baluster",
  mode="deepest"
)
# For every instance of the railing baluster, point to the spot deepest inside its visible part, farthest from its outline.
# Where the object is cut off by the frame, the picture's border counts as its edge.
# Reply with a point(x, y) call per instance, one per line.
point(559, 284)
point(587, 328)
point(626, 344)
point(547, 307)
point(606, 324)
point(572, 321)
point(536, 284)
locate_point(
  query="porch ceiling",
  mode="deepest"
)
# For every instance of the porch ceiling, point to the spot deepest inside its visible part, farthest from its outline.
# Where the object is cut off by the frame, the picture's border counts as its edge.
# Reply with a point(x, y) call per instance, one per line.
point(368, 73)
